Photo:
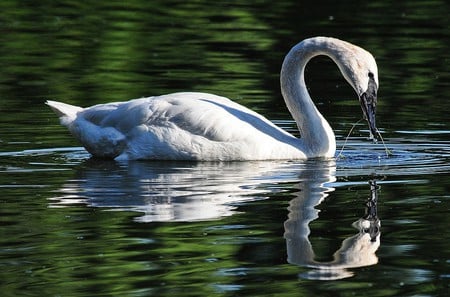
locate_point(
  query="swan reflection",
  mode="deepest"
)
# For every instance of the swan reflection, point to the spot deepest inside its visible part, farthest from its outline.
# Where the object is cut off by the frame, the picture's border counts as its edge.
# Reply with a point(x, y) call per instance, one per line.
point(186, 191)
point(355, 251)
point(172, 191)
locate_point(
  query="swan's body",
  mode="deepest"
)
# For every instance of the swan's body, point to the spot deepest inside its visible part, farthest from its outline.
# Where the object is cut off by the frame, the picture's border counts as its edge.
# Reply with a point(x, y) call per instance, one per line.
point(200, 126)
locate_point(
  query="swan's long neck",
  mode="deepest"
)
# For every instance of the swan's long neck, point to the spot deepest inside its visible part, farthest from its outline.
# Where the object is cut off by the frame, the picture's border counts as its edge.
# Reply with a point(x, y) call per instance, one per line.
point(317, 137)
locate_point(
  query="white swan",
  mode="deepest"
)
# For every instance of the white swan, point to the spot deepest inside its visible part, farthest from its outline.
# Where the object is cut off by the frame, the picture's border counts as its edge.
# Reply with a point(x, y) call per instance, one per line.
point(199, 126)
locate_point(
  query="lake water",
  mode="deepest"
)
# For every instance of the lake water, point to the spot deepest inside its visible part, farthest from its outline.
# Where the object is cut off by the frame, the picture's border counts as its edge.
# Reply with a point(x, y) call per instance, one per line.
point(364, 223)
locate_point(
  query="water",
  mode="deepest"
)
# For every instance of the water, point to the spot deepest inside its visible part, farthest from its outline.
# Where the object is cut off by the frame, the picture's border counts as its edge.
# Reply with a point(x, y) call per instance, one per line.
point(75, 226)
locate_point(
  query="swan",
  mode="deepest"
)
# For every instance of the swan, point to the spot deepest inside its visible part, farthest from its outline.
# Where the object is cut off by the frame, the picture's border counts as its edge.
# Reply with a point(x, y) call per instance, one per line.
point(207, 127)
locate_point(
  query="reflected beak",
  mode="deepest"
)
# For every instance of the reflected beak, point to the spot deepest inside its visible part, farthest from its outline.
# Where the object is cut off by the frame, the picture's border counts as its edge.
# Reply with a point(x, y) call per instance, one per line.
point(368, 101)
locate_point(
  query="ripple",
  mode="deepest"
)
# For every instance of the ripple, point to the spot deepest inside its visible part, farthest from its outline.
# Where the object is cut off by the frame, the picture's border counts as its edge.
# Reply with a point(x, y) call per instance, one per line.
point(406, 159)
point(43, 151)
point(359, 157)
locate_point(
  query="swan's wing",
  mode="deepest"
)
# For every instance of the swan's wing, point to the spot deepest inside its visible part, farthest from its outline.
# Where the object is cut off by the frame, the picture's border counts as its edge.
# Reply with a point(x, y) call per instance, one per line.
point(212, 117)
point(184, 126)
point(98, 113)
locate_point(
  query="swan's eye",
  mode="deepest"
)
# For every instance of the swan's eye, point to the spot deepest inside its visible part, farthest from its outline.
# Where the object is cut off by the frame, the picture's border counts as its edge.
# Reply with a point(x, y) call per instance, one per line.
point(370, 75)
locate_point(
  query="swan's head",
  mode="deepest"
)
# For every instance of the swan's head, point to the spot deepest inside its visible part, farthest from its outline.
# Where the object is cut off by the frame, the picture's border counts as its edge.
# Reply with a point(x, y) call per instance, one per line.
point(360, 69)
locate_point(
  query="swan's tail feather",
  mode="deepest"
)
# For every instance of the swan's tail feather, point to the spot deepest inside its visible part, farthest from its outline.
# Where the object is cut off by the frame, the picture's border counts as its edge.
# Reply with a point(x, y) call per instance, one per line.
point(104, 142)
point(66, 112)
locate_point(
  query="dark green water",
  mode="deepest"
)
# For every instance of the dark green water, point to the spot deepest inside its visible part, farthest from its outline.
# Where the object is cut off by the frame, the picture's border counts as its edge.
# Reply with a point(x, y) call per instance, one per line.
point(73, 226)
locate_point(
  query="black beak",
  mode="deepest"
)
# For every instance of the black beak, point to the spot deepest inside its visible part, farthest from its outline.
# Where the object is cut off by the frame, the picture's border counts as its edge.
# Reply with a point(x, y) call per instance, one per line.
point(368, 101)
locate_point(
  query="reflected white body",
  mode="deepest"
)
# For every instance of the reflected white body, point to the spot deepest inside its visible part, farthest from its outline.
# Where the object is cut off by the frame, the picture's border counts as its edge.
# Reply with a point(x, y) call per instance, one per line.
point(173, 191)
point(185, 191)
point(200, 126)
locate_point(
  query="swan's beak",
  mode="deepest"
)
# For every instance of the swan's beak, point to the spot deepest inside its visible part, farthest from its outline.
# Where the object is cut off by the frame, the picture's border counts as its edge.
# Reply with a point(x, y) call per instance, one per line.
point(368, 105)
point(368, 101)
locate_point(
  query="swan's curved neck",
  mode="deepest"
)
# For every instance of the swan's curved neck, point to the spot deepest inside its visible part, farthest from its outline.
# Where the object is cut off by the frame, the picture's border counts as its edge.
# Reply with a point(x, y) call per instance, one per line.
point(317, 137)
